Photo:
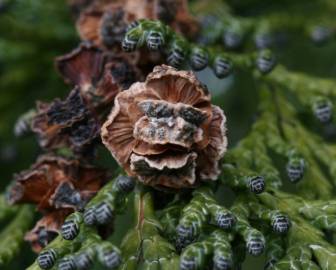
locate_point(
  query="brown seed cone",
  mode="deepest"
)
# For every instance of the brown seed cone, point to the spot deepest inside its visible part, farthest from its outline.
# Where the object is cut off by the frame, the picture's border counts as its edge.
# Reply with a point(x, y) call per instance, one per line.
point(54, 182)
point(99, 76)
point(165, 130)
point(75, 122)
point(58, 186)
point(67, 123)
point(104, 22)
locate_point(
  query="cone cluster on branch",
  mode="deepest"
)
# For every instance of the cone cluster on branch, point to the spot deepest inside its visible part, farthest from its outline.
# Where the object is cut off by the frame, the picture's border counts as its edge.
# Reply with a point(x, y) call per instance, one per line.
point(136, 92)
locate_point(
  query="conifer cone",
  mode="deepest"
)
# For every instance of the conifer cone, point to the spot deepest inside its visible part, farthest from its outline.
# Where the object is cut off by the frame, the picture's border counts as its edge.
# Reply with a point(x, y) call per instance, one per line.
point(57, 186)
point(165, 130)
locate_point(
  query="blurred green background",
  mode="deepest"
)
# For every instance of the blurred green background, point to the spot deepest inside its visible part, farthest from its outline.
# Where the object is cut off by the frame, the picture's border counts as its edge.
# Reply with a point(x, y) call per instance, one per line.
point(32, 33)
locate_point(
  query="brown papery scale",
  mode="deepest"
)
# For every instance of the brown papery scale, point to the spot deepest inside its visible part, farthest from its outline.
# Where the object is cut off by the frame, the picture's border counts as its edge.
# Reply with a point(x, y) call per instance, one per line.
point(98, 76)
point(57, 186)
point(165, 130)
point(104, 23)
point(55, 182)
point(67, 123)
point(75, 122)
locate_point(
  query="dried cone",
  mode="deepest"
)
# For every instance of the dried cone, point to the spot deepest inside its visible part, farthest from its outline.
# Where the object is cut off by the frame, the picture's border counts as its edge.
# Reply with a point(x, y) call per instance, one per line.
point(98, 76)
point(55, 182)
point(58, 186)
point(65, 123)
point(75, 121)
point(165, 130)
point(104, 23)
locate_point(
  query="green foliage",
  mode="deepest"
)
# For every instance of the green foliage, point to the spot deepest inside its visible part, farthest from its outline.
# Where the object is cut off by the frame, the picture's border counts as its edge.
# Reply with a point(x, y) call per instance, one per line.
point(12, 235)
